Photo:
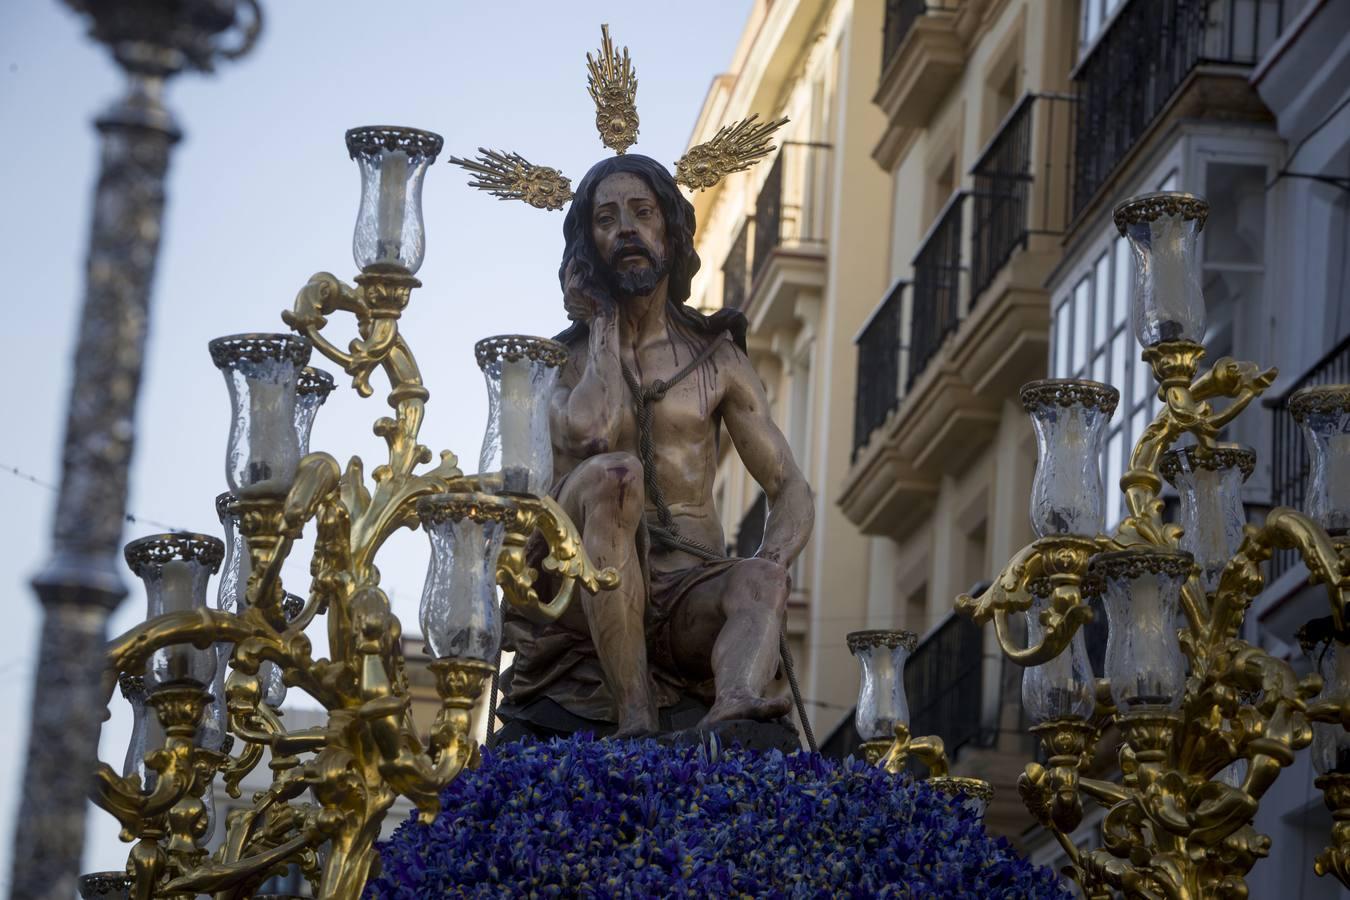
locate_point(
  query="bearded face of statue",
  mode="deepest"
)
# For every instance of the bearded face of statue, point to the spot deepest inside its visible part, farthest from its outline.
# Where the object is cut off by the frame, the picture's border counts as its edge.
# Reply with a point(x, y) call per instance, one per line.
point(629, 233)
point(628, 227)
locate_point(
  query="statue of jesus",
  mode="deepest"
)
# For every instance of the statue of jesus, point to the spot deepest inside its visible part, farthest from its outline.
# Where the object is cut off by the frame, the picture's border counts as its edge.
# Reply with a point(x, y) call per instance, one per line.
point(635, 426)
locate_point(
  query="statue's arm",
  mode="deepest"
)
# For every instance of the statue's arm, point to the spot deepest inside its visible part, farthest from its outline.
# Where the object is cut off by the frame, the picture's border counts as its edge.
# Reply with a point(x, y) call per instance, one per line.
point(767, 457)
point(585, 409)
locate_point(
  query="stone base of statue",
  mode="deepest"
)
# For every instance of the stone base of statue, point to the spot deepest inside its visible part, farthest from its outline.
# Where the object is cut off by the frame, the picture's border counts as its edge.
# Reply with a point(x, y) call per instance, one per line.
point(543, 719)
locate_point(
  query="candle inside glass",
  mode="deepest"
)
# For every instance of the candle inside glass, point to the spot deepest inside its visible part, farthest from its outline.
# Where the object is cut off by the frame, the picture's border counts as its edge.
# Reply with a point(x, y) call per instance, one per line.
point(517, 403)
point(392, 204)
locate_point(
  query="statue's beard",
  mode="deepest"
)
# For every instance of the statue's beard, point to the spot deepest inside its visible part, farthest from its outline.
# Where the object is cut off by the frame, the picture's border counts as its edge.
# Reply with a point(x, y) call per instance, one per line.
point(641, 282)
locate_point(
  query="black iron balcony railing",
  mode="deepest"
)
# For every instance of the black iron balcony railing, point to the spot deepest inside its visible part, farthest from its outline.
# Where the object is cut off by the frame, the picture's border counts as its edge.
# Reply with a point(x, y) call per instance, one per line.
point(1289, 456)
point(878, 389)
point(900, 18)
point(750, 533)
point(1021, 184)
point(1146, 54)
point(790, 209)
point(936, 309)
point(943, 681)
point(736, 269)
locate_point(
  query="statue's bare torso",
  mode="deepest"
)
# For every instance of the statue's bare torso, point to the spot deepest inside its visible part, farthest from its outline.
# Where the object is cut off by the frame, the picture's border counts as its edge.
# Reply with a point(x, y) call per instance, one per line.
point(685, 423)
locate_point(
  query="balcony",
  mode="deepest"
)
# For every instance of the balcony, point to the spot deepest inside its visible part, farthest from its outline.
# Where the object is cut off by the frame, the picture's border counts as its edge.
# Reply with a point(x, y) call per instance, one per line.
point(900, 18)
point(878, 346)
point(1013, 200)
point(736, 269)
point(974, 327)
point(1289, 456)
point(944, 681)
point(1149, 64)
point(923, 53)
point(937, 288)
point(787, 250)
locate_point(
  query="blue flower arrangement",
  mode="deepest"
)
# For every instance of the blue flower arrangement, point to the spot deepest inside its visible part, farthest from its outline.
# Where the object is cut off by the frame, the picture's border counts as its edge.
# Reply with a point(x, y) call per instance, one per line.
point(587, 818)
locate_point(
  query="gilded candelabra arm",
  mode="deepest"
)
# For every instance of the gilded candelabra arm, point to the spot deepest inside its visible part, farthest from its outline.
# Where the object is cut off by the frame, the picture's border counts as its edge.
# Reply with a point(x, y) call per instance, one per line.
point(567, 558)
point(1105, 793)
point(250, 631)
point(323, 295)
point(929, 750)
point(377, 303)
point(1335, 858)
point(1186, 408)
point(179, 707)
point(1052, 567)
point(1241, 381)
point(218, 876)
point(1242, 579)
point(1051, 792)
point(421, 777)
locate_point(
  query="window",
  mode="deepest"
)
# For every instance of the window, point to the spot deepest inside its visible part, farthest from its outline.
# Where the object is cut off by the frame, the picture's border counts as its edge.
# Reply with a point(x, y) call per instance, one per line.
point(1234, 252)
point(1096, 15)
point(1093, 339)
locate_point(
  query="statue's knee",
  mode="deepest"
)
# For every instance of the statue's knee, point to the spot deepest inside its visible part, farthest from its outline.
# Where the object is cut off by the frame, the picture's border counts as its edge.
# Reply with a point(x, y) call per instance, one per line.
point(614, 481)
point(762, 582)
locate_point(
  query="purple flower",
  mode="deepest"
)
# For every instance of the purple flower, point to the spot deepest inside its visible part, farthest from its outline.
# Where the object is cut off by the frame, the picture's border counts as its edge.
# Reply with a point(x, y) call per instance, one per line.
point(599, 819)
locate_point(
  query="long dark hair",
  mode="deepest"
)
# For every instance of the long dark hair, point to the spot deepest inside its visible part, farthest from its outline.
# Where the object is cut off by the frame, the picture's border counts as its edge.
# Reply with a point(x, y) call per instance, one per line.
point(580, 253)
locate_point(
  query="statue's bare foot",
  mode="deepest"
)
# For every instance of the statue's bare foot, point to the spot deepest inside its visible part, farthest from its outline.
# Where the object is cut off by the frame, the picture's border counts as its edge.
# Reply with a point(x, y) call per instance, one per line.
point(637, 725)
point(761, 709)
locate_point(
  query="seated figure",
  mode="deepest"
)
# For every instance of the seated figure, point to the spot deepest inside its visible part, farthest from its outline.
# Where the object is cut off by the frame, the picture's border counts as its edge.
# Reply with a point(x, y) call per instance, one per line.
point(635, 425)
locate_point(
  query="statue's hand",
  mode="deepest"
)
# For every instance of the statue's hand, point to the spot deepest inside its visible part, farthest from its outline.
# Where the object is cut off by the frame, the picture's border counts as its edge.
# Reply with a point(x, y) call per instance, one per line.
point(582, 302)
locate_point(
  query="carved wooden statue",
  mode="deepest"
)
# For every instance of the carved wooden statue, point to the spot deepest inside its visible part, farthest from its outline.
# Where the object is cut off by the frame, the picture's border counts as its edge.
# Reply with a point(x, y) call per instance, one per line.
point(635, 425)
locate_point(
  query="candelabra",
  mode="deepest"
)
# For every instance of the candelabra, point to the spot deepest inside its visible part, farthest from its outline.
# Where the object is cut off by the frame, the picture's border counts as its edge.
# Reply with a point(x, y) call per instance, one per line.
point(882, 718)
point(332, 785)
point(1206, 720)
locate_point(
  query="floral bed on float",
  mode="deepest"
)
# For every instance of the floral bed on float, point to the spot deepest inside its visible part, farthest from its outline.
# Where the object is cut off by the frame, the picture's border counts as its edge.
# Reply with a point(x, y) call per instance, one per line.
point(606, 818)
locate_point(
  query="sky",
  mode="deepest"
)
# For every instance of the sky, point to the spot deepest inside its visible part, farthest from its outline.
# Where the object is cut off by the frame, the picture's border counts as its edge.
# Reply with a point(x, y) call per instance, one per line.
point(261, 195)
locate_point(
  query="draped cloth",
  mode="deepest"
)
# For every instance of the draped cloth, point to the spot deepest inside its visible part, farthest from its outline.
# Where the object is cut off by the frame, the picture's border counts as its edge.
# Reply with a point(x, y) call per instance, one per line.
point(555, 661)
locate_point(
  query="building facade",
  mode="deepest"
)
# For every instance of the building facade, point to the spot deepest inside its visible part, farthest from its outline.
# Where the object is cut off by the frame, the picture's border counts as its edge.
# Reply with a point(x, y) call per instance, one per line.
point(955, 242)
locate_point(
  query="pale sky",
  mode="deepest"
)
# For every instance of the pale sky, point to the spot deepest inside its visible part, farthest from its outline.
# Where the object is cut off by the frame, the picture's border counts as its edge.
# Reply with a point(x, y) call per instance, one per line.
point(262, 195)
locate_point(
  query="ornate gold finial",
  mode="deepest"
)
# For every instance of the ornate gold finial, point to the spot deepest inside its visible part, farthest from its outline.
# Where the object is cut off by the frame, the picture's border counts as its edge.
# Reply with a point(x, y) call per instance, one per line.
point(510, 176)
point(613, 86)
point(734, 148)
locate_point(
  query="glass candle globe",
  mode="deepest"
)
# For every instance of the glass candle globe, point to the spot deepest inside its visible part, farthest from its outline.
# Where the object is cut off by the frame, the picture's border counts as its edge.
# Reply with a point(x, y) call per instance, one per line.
point(261, 371)
point(1330, 656)
point(881, 691)
point(146, 732)
point(393, 161)
point(175, 569)
point(460, 616)
point(1070, 418)
point(312, 388)
point(105, 886)
point(1324, 415)
point(521, 373)
point(1142, 593)
point(1162, 230)
point(229, 597)
point(1064, 686)
point(1209, 483)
